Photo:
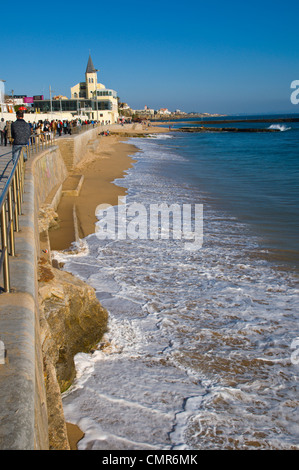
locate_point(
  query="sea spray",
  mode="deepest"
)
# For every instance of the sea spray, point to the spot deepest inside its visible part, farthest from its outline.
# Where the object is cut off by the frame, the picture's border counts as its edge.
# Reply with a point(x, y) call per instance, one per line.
point(281, 127)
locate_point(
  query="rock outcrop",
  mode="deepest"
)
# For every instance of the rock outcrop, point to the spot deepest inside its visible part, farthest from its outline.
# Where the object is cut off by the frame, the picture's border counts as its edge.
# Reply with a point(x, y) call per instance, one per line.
point(223, 129)
point(71, 320)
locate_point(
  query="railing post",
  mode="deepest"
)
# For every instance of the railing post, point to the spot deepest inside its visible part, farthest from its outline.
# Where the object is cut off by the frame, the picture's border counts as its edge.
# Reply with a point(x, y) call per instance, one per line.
point(10, 223)
point(15, 201)
point(6, 280)
point(19, 166)
point(22, 173)
point(18, 190)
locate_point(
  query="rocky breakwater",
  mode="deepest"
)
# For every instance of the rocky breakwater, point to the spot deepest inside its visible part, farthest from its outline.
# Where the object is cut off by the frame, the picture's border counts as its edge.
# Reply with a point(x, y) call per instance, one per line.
point(72, 320)
point(223, 129)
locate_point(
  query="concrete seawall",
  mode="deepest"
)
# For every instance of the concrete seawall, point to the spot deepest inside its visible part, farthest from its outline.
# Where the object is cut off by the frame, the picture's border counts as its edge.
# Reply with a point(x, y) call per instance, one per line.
point(23, 406)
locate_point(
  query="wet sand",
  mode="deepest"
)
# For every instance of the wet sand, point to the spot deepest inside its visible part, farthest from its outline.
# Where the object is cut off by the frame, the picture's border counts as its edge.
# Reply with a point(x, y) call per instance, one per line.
point(110, 159)
point(74, 435)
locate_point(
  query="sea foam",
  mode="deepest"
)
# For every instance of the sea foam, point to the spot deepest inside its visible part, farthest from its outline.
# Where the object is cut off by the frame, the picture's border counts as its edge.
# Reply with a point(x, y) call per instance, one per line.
point(197, 354)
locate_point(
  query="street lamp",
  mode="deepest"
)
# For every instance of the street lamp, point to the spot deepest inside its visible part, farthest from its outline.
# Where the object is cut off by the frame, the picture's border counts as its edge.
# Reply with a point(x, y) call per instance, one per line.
point(2, 96)
point(50, 89)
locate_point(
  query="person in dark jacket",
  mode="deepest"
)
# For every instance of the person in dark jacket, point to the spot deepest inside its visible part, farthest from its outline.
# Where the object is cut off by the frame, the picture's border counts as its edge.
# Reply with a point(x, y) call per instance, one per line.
point(20, 132)
point(2, 132)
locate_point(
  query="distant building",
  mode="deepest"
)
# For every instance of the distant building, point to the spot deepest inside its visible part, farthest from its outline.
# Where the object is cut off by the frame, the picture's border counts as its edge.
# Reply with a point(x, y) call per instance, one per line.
point(91, 89)
point(145, 112)
point(60, 97)
point(164, 111)
point(88, 98)
point(88, 88)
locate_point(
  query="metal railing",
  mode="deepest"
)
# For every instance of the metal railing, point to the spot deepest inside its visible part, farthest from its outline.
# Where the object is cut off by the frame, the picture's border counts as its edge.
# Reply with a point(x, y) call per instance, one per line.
point(75, 129)
point(11, 199)
point(38, 142)
point(10, 208)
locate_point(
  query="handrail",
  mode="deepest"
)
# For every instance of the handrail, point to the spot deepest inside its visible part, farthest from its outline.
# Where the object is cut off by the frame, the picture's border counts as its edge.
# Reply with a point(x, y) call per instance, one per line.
point(11, 199)
point(10, 209)
point(38, 142)
point(12, 196)
point(83, 127)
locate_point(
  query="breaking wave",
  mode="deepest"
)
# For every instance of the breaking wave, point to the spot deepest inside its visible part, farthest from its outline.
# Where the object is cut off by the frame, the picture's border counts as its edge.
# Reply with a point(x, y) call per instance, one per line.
point(281, 127)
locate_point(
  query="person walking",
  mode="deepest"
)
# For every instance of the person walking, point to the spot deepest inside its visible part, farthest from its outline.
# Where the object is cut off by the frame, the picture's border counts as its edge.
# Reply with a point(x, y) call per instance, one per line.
point(2, 130)
point(8, 132)
point(59, 128)
point(54, 127)
point(5, 134)
point(20, 133)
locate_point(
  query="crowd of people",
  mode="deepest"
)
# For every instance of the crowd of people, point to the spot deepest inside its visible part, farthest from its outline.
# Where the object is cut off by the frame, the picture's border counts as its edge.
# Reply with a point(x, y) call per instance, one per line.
point(42, 128)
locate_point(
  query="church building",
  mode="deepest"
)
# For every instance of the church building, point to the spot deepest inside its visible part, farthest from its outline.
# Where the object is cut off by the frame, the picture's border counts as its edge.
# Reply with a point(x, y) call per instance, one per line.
point(89, 99)
point(91, 90)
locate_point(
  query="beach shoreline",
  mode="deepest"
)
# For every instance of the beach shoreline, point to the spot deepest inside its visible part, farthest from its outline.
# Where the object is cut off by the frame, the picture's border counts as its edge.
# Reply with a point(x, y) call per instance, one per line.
point(155, 295)
point(110, 158)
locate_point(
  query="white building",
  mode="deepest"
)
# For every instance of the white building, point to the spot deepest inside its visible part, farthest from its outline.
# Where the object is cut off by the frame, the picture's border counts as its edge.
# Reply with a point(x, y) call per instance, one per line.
point(89, 99)
point(96, 96)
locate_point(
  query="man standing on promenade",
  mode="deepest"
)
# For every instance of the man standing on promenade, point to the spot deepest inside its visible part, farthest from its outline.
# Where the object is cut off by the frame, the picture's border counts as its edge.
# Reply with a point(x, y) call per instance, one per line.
point(20, 132)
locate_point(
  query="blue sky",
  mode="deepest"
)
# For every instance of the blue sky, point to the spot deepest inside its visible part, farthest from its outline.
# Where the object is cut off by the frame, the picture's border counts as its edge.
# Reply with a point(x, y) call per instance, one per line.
point(227, 57)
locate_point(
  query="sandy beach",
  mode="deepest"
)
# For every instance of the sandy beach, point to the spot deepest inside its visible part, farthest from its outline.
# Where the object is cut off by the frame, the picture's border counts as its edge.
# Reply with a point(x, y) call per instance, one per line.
point(110, 159)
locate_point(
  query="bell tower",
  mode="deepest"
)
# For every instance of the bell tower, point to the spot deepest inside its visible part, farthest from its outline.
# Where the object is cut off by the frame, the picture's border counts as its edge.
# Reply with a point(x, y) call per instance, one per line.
point(91, 79)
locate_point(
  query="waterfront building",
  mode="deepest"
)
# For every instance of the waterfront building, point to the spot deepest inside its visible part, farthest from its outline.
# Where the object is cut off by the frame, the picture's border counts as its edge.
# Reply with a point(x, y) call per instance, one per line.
point(146, 112)
point(164, 111)
point(89, 98)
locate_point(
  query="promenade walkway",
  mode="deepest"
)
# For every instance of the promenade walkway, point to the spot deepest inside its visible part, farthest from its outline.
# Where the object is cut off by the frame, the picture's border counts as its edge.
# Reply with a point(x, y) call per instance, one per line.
point(23, 401)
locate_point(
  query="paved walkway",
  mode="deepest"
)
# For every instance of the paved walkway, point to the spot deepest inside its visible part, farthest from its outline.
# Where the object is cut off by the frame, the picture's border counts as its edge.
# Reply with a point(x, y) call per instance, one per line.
point(5, 164)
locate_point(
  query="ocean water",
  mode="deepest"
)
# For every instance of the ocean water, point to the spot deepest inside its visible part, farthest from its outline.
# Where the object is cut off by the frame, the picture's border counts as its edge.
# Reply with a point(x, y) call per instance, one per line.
point(202, 347)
